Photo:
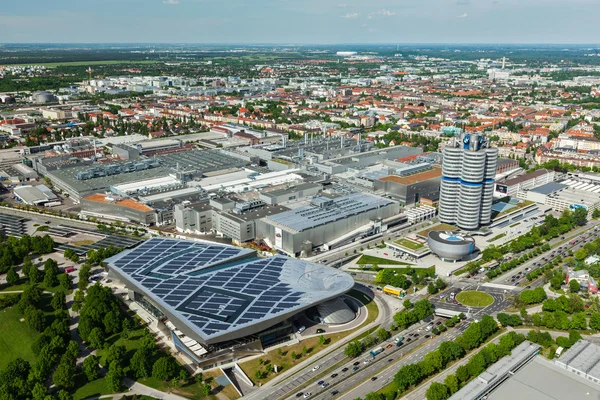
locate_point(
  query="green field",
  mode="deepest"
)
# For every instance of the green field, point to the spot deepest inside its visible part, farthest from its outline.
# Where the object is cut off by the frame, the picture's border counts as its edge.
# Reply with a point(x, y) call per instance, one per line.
point(15, 337)
point(473, 298)
point(92, 389)
point(365, 259)
point(409, 244)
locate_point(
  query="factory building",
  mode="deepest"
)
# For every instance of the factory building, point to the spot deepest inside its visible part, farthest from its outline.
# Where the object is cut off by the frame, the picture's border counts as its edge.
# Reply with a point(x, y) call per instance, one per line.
point(468, 172)
point(234, 220)
point(292, 193)
point(512, 187)
point(409, 189)
point(299, 231)
point(122, 209)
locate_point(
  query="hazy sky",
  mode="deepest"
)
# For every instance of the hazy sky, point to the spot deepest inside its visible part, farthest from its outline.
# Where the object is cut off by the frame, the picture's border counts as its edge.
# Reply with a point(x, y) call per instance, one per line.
point(301, 21)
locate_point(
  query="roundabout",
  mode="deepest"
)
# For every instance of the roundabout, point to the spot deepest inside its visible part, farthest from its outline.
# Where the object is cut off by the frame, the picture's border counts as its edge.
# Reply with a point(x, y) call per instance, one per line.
point(472, 298)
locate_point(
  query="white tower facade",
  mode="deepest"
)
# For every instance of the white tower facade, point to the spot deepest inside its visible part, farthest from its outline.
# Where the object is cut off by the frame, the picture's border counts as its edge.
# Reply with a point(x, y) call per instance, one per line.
point(467, 187)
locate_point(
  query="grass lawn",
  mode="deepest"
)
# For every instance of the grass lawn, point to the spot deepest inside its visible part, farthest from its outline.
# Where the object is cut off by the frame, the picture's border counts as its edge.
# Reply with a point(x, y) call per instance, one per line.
point(92, 389)
point(15, 337)
point(283, 358)
point(473, 298)
point(365, 259)
point(439, 227)
point(500, 236)
point(22, 286)
point(409, 244)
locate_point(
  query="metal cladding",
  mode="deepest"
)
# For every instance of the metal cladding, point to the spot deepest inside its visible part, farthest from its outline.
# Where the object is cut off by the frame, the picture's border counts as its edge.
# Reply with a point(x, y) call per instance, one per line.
point(450, 246)
point(467, 187)
point(215, 293)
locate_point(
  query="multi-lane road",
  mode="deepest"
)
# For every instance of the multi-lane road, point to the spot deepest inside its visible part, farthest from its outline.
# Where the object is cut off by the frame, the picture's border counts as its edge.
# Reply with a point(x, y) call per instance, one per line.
point(572, 242)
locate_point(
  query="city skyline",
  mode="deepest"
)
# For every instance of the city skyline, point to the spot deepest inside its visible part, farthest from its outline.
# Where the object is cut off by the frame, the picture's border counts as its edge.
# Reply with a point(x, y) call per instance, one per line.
point(312, 22)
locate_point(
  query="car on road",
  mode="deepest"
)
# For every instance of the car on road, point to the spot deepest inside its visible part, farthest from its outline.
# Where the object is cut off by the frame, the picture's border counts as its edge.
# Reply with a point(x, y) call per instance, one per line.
point(344, 369)
point(334, 392)
point(389, 346)
point(334, 375)
point(307, 395)
point(355, 368)
point(366, 361)
point(438, 323)
point(320, 330)
point(408, 340)
point(316, 367)
point(373, 379)
point(324, 385)
point(427, 336)
point(390, 359)
point(320, 383)
point(356, 363)
point(299, 394)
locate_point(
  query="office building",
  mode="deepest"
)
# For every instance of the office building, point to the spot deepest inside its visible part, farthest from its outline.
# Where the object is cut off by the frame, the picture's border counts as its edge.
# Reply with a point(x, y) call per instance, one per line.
point(468, 172)
point(512, 187)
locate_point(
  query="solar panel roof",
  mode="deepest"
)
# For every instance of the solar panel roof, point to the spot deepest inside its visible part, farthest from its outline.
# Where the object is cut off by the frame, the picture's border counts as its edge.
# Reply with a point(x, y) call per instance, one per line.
point(216, 289)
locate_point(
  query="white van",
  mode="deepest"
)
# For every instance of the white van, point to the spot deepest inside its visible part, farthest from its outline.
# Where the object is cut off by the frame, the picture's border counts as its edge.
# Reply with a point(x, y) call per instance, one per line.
point(301, 329)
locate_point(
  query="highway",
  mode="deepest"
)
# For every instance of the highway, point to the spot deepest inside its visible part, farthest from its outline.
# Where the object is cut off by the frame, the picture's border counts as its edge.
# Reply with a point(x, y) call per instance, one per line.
point(519, 272)
point(350, 389)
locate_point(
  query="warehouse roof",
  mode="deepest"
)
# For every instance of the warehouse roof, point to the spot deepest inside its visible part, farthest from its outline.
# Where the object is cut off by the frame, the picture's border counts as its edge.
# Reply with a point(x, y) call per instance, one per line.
point(433, 173)
point(526, 177)
point(129, 203)
point(323, 210)
point(548, 188)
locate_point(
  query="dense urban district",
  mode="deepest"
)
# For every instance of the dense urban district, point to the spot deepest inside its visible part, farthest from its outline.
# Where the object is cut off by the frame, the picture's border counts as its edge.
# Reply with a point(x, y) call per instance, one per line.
point(282, 222)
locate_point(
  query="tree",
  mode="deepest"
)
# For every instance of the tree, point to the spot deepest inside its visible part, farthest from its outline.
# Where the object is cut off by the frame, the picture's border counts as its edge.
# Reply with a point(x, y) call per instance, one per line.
point(574, 286)
point(35, 318)
point(96, 338)
point(322, 340)
point(451, 381)
point(58, 301)
point(354, 349)
point(35, 275)
point(39, 391)
point(407, 304)
point(112, 322)
point(91, 367)
point(114, 376)
point(437, 391)
point(407, 376)
point(205, 389)
point(115, 353)
point(140, 363)
point(383, 334)
point(596, 213)
point(65, 373)
point(164, 368)
point(12, 277)
point(432, 362)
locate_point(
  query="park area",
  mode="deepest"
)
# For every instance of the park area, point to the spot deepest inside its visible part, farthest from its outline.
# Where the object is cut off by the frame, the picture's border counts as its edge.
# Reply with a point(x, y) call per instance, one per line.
point(472, 298)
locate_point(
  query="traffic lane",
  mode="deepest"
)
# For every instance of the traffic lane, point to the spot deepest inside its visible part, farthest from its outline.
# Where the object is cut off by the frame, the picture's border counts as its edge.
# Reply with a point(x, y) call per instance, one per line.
point(583, 231)
point(563, 252)
point(384, 377)
point(374, 363)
